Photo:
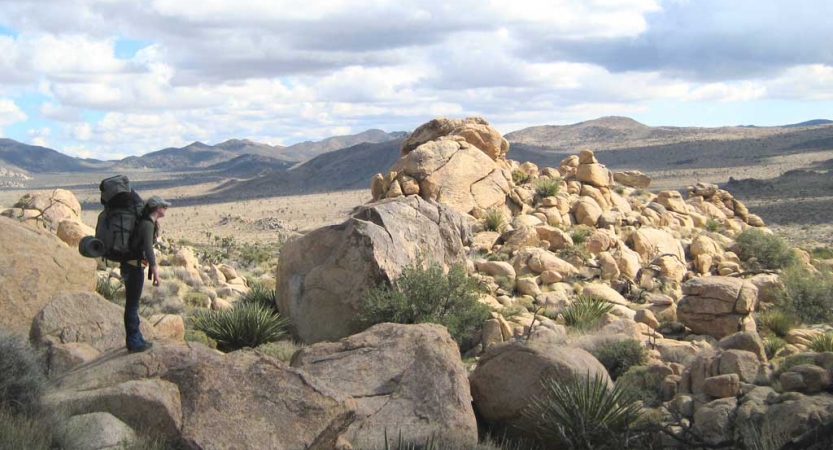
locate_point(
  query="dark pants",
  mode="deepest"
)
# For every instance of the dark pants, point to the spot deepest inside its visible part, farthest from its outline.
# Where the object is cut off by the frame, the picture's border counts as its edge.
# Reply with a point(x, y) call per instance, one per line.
point(134, 280)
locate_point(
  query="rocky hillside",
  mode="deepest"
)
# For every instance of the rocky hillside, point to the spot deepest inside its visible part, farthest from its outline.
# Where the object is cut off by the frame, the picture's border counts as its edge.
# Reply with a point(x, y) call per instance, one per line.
point(610, 133)
point(33, 158)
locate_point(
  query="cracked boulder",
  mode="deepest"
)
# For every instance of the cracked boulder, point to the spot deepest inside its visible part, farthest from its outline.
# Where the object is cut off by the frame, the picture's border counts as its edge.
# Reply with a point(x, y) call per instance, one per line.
point(718, 306)
point(46, 210)
point(35, 266)
point(208, 400)
point(323, 274)
point(508, 376)
point(404, 378)
point(458, 162)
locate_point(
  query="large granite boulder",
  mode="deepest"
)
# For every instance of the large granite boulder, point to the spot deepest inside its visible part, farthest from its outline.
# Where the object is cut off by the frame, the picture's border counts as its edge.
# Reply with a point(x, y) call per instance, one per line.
point(508, 376)
point(653, 242)
point(246, 400)
point(718, 306)
point(406, 379)
point(322, 275)
point(80, 317)
point(35, 266)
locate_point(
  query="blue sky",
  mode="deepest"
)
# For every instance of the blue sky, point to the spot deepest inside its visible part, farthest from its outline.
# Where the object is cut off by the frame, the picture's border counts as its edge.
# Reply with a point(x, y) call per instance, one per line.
point(118, 78)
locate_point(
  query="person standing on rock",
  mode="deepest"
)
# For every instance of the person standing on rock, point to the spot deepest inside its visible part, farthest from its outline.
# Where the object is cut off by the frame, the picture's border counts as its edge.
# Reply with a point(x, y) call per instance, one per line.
point(133, 271)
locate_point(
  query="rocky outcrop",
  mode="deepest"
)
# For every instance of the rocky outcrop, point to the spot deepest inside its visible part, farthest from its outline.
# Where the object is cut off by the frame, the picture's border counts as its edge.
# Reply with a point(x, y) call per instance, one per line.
point(460, 163)
point(406, 379)
point(322, 275)
point(35, 266)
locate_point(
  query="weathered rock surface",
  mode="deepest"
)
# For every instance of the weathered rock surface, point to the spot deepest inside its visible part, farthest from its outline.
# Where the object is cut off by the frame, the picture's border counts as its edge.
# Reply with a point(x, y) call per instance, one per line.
point(718, 306)
point(404, 378)
point(249, 401)
point(508, 375)
point(323, 274)
point(35, 266)
point(97, 431)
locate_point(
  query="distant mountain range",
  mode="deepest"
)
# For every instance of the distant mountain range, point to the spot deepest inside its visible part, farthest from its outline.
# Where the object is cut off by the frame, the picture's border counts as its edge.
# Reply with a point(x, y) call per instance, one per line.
point(241, 157)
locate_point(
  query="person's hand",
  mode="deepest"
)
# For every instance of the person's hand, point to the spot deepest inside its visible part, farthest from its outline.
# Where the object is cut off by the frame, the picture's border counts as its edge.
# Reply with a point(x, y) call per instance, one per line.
point(154, 272)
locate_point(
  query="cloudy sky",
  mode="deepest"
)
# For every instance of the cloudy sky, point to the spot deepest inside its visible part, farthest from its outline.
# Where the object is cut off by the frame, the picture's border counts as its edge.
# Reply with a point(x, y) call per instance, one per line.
point(111, 78)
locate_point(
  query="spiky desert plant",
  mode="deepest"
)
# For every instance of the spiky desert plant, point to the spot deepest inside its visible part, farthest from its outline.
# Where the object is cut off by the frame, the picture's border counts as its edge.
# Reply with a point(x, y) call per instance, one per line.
point(493, 220)
point(245, 325)
point(821, 343)
point(773, 345)
point(582, 412)
point(712, 225)
point(546, 187)
point(260, 294)
point(777, 321)
point(585, 312)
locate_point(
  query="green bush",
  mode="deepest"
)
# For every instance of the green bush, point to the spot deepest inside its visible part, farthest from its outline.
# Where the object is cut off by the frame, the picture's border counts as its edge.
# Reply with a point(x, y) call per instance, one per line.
point(821, 343)
point(197, 299)
point(546, 187)
point(192, 335)
point(429, 295)
point(619, 356)
point(493, 220)
point(585, 312)
point(580, 233)
point(582, 413)
point(394, 441)
point(822, 253)
point(245, 325)
point(763, 250)
point(773, 345)
point(777, 321)
point(643, 384)
point(22, 379)
point(794, 360)
point(712, 225)
point(106, 289)
point(519, 176)
point(808, 295)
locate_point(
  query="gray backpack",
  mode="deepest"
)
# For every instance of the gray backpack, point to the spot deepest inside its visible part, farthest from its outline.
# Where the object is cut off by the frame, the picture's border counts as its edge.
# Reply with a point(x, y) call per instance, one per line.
point(116, 224)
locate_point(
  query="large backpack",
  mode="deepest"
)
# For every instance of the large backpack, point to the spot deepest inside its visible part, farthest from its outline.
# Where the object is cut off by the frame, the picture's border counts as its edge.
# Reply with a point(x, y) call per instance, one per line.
point(116, 224)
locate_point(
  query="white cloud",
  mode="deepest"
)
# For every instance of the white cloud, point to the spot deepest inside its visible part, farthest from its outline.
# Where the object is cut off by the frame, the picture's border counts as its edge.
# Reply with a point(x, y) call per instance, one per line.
point(723, 92)
point(809, 82)
point(10, 113)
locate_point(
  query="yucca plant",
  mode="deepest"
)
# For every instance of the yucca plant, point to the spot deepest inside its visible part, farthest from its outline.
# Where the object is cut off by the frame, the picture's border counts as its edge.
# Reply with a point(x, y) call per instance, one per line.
point(582, 412)
point(821, 343)
point(585, 312)
point(773, 345)
point(546, 187)
point(245, 325)
point(493, 220)
point(777, 321)
point(106, 289)
point(262, 295)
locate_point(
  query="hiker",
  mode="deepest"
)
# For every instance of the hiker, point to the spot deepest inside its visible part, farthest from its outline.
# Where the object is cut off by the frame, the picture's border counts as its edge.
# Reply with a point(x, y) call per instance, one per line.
point(133, 272)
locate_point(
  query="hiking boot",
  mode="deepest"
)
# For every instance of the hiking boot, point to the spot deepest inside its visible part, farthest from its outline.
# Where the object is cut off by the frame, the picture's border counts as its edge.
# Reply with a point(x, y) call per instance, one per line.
point(142, 348)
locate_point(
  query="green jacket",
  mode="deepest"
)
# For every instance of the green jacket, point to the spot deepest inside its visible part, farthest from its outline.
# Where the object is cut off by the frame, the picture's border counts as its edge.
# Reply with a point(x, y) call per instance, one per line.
point(145, 238)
